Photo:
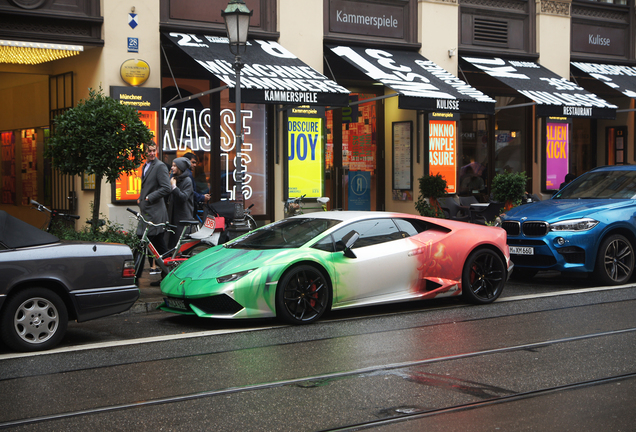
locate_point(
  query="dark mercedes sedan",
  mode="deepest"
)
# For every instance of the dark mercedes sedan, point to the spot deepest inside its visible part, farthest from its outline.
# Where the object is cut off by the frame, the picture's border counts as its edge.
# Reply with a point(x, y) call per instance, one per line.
point(44, 282)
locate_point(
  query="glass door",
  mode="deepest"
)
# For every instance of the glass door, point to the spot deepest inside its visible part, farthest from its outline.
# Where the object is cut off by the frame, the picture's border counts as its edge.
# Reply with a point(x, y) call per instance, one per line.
point(351, 157)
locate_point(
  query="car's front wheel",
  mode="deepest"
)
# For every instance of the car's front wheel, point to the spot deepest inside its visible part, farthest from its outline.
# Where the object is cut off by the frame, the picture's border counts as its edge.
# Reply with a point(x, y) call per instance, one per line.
point(483, 277)
point(614, 261)
point(34, 319)
point(303, 295)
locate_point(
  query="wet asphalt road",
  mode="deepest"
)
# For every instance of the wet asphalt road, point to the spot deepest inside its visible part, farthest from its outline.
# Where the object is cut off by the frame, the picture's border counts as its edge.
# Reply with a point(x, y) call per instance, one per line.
point(552, 354)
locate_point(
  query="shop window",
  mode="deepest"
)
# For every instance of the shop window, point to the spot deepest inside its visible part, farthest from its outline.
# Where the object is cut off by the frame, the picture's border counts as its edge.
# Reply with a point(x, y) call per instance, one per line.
point(582, 151)
point(473, 155)
point(510, 137)
point(8, 167)
point(188, 127)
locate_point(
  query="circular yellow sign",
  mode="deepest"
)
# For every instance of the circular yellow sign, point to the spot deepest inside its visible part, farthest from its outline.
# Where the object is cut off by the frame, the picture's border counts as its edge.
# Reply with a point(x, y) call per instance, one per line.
point(135, 72)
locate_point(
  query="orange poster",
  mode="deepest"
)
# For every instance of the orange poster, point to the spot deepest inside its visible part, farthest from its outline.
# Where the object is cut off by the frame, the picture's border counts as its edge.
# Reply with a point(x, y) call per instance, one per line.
point(128, 186)
point(442, 151)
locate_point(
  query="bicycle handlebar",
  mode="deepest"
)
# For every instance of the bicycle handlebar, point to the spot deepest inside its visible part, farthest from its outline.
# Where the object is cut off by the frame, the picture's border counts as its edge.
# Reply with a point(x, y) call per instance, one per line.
point(140, 216)
point(42, 207)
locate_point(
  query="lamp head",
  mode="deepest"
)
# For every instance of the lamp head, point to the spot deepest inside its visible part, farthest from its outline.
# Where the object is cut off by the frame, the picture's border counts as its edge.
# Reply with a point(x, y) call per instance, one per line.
point(237, 22)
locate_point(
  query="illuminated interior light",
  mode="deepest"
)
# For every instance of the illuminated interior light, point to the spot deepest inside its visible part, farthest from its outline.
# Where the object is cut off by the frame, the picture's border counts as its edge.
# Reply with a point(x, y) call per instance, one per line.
point(32, 53)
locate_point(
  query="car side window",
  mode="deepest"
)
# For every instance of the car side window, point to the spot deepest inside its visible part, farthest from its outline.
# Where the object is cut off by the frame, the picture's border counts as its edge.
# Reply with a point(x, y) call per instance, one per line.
point(410, 227)
point(372, 232)
point(326, 244)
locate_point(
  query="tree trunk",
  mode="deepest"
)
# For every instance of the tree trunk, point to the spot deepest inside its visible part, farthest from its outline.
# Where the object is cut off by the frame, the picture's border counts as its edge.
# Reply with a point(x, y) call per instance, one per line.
point(96, 199)
point(435, 205)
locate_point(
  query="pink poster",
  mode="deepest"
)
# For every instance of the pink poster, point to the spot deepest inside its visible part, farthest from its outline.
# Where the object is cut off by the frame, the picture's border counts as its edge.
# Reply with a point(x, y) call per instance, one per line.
point(557, 152)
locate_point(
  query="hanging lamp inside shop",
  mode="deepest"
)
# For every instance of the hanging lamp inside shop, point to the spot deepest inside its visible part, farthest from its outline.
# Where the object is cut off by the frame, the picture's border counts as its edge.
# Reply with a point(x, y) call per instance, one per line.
point(32, 53)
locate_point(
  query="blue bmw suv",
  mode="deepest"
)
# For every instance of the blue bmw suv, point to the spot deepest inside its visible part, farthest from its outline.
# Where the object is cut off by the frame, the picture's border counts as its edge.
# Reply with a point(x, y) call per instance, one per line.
point(589, 226)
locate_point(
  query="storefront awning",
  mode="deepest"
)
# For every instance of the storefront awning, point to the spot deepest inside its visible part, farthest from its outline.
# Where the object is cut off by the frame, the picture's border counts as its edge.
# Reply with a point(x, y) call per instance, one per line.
point(270, 74)
point(553, 94)
point(620, 78)
point(420, 83)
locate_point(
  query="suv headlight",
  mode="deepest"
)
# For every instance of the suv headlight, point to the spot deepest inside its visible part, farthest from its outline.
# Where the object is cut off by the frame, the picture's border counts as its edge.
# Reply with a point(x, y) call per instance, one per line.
point(583, 224)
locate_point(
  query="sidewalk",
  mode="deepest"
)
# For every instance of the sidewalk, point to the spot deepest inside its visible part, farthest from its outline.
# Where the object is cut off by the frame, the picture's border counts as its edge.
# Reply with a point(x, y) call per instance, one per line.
point(149, 296)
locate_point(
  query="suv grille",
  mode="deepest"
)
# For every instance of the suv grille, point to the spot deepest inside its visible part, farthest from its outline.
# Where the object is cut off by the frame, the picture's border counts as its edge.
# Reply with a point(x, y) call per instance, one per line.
point(535, 228)
point(512, 228)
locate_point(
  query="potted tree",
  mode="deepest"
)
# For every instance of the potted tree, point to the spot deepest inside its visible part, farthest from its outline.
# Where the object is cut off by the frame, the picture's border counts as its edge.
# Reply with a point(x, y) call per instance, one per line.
point(509, 188)
point(431, 187)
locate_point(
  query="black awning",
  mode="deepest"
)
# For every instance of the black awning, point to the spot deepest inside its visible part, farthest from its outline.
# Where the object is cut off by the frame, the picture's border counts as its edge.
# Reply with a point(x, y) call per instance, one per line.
point(270, 73)
point(553, 94)
point(620, 78)
point(420, 83)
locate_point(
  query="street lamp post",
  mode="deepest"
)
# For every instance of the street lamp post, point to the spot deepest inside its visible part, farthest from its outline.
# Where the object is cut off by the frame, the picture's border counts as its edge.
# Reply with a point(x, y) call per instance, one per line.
point(237, 22)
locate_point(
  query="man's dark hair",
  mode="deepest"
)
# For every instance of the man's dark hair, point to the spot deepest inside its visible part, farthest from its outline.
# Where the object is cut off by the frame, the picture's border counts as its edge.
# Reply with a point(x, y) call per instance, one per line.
point(190, 156)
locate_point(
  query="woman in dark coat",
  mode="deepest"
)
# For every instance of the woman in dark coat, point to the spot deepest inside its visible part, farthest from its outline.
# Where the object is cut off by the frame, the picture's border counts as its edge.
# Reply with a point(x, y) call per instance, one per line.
point(181, 197)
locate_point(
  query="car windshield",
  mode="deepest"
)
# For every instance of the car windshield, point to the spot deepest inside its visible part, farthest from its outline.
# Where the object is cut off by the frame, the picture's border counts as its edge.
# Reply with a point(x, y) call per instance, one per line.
point(601, 185)
point(287, 233)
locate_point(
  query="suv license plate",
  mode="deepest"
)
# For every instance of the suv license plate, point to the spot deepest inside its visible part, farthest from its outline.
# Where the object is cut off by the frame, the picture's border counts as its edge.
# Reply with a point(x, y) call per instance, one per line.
point(175, 303)
point(519, 250)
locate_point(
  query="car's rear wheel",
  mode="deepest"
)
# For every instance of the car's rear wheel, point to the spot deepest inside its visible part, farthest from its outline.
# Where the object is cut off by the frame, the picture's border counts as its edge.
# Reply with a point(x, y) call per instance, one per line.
point(34, 319)
point(614, 261)
point(483, 277)
point(303, 295)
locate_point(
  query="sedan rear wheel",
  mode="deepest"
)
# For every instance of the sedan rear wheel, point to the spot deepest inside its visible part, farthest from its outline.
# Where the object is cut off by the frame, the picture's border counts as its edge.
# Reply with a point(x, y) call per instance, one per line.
point(483, 277)
point(303, 295)
point(615, 261)
point(34, 319)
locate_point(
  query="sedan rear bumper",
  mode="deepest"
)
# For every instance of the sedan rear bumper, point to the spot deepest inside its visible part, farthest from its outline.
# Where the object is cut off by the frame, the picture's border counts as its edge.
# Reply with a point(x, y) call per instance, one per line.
point(99, 302)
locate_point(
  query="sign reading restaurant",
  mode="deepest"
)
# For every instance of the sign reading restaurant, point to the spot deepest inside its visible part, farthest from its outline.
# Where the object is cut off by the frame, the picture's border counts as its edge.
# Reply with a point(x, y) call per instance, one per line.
point(553, 94)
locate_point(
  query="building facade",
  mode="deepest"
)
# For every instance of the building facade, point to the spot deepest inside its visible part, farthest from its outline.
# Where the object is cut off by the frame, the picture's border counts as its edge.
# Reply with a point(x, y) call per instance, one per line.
point(354, 100)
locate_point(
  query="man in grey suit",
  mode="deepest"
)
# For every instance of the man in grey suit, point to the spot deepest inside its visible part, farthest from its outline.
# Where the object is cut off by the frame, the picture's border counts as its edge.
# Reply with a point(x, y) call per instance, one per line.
point(155, 186)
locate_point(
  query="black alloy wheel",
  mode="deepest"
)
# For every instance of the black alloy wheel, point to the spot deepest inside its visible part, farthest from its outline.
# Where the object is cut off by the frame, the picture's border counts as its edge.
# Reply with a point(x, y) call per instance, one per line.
point(303, 295)
point(483, 277)
point(33, 319)
point(614, 261)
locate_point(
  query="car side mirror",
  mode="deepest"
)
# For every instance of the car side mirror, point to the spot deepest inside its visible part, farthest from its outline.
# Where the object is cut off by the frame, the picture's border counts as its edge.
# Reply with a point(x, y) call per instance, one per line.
point(349, 241)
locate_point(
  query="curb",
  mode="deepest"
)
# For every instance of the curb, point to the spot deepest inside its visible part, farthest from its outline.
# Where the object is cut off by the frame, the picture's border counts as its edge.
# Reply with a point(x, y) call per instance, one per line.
point(144, 307)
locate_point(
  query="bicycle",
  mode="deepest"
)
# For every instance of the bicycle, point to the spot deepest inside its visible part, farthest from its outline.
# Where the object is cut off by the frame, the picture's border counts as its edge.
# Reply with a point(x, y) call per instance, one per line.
point(52, 214)
point(296, 206)
point(171, 259)
point(251, 223)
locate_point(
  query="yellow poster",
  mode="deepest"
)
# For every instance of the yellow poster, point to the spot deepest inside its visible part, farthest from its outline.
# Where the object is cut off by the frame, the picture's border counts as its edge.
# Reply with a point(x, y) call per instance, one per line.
point(442, 148)
point(305, 157)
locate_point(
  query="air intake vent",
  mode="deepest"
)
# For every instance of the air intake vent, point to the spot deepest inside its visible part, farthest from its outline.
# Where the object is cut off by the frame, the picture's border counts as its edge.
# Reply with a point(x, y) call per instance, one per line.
point(488, 32)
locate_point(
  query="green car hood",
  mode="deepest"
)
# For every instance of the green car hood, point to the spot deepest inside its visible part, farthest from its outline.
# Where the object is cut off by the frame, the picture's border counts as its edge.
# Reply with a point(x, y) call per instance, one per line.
point(222, 261)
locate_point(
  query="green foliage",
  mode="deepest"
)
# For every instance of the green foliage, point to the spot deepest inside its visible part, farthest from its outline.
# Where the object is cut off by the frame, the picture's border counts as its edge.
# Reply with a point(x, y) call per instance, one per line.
point(509, 187)
point(111, 232)
point(425, 209)
point(432, 186)
point(99, 136)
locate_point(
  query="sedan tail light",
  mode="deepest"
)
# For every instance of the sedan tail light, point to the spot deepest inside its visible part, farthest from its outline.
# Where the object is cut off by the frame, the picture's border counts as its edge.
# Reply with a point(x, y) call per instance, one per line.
point(129, 269)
